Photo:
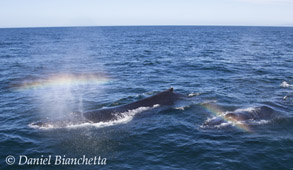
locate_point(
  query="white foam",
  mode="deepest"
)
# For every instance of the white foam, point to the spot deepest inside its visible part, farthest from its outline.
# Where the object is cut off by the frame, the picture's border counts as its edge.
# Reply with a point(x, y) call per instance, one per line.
point(179, 108)
point(285, 84)
point(47, 126)
point(182, 107)
point(209, 102)
point(122, 118)
point(223, 125)
point(235, 123)
point(258, 122)
point(219, 126)
point(193, 94)
point(248, 109)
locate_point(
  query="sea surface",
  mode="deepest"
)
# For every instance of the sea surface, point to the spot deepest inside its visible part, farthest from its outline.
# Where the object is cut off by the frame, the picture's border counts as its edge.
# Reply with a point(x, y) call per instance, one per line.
point(51, 74)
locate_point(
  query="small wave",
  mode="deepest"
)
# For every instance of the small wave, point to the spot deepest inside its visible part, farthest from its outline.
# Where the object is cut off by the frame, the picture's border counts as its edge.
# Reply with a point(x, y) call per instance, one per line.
point(208, 102)
point(285, 84)
point(182, 107)
point(122, 118)
point(193, 94)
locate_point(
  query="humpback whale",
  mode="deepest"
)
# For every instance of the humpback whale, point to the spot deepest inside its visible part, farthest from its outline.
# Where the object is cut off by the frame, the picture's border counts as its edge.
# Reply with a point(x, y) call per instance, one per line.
point(165, 98)
point(256, 113)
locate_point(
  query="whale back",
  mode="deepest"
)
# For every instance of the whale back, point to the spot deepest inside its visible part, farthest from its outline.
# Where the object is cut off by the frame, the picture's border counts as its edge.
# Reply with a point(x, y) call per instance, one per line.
point(165, 98)
point(257, 113)
point(264, 112)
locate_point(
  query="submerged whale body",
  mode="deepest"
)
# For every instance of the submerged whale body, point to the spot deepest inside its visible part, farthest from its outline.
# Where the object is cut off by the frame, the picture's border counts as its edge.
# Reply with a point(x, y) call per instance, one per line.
point(256, 113)
point(165, 98)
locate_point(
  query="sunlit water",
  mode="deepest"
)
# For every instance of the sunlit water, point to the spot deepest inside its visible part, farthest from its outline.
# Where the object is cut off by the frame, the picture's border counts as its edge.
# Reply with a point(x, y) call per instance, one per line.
point(50, 74)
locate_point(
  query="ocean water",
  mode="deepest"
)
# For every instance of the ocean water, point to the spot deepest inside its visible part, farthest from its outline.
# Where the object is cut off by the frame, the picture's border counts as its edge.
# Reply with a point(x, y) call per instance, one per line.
point(49, 74)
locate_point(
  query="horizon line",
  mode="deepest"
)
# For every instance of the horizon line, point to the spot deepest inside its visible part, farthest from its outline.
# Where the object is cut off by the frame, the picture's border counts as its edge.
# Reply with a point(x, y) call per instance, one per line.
point(71, 26)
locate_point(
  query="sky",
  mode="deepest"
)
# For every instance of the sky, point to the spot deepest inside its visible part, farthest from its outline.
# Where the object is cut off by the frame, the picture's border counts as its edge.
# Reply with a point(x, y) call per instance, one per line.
point(55, 13)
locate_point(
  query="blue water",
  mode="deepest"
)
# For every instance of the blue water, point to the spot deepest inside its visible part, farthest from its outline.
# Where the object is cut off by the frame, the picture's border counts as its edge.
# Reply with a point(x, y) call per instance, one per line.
point(228, 68)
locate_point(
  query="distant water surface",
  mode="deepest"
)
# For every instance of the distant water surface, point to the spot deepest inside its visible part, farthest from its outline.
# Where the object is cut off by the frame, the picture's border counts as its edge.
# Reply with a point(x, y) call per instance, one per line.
point(48, 73)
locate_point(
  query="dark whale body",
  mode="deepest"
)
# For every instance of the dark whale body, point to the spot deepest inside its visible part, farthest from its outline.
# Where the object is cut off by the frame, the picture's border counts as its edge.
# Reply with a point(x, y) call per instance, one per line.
point(257, 113)
point(165, 98)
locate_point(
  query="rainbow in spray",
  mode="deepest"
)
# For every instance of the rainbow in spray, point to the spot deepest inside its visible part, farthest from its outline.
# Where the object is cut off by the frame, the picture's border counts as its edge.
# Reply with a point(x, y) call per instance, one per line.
point(217, 111)
point(65, 80)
